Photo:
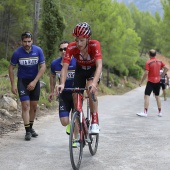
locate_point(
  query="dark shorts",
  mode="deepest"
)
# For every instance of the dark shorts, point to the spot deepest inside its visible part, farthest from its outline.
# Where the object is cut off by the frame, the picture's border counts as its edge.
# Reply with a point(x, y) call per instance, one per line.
point(65, 104)
point(81, 76)
point(163, 86)
point(155, 87)
point(24, 94)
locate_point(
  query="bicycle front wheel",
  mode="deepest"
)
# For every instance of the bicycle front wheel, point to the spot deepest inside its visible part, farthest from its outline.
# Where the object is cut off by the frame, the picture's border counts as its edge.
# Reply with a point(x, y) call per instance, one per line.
point(93, 144)
point(75, 144)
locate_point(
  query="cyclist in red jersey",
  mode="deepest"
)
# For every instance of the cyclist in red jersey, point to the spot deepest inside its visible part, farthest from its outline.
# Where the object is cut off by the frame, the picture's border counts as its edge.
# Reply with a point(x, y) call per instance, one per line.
point(152, 72)
point(89, 67)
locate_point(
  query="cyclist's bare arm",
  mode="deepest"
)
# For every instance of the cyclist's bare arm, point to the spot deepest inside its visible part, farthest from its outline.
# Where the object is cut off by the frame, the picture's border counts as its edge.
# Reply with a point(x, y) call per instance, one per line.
point(11, 76)
point(63, 77)
point(96, 75)
point(41, 71)
point(165, 69)
point(167, 79)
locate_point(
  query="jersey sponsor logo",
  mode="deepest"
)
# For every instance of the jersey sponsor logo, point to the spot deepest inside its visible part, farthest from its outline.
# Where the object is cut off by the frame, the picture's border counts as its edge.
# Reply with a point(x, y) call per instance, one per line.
point(70, 74)
point(93, 45)
point(86, 62)
point(61, 107)
point(28, 61)
point(155, 61)
point(71, 47)
point(22, 93)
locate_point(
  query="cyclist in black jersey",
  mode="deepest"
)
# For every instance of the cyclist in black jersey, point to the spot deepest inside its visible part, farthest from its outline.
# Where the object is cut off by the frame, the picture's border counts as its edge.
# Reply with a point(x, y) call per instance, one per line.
point(163, 83)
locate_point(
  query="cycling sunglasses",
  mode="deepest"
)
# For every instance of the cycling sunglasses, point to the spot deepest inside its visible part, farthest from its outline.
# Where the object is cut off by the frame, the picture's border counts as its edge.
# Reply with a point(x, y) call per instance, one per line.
point(26, 35)
point(61, 49)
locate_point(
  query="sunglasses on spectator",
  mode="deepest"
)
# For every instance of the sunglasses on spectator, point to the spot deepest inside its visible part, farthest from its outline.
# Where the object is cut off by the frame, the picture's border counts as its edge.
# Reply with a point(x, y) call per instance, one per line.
point(26, 35)
point(61, 49)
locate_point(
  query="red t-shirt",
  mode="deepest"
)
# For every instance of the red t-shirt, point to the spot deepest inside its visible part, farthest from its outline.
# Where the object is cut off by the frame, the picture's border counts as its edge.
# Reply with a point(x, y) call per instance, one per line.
point(94, 53)
point(154, 66)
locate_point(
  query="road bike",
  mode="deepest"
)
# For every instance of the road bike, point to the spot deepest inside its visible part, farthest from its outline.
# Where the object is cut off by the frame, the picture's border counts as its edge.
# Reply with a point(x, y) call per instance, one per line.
point(79, 131)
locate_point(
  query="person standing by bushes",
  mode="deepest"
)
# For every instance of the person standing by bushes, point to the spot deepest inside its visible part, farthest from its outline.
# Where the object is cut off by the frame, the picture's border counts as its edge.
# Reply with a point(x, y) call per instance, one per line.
point(28, 57)
point(164, 82)
point(152, 72)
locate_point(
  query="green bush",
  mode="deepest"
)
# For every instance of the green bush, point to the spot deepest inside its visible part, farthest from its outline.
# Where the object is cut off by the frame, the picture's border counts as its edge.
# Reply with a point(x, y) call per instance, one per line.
point(4, 64)
point(105, 90)
point(46, 79)
point(129, 84)
point(122, 69)
point(116, 82)
point(135, 71)
point(141, 62)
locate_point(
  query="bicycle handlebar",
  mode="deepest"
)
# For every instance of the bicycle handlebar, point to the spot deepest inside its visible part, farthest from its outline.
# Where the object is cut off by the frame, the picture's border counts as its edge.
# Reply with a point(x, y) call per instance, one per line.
point(79, 89)
point(76, 89)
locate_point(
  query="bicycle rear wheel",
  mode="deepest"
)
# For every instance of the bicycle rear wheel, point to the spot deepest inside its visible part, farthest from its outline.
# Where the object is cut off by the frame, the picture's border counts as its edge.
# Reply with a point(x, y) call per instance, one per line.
point(93, 145)
point(75, 145)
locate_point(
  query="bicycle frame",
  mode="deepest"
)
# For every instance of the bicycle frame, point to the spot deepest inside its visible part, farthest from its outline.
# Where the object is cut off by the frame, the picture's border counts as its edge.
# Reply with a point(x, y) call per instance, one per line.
point(80, 124)
point(83, 123)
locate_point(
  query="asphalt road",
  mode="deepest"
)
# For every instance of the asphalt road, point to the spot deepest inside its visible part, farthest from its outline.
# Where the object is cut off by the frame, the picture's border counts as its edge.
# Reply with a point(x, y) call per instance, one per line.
point(127, 142)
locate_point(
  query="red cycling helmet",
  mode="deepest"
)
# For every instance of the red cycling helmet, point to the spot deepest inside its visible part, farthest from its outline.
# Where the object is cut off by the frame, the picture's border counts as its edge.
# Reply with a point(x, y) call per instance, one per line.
point(82, 30)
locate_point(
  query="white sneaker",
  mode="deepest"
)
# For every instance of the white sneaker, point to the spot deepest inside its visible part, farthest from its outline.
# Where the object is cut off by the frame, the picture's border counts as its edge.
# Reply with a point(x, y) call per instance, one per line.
point(94, 128)
point(142, 114)
point(160, 114)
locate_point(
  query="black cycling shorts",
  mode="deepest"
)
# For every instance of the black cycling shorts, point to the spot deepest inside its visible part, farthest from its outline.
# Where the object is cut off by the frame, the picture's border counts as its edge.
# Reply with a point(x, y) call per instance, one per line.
point(25, 94)
point(155, 87)
point(65, 104)
point(163, 86)
point(82, 75)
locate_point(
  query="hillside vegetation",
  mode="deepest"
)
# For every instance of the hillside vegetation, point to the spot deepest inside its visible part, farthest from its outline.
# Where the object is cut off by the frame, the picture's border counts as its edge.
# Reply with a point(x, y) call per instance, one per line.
point(117, 85)
point(124, 32)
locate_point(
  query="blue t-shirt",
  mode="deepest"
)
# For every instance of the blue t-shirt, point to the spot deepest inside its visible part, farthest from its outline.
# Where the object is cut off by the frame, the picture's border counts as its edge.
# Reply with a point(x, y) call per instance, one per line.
point(28, 62)
point(56, 67)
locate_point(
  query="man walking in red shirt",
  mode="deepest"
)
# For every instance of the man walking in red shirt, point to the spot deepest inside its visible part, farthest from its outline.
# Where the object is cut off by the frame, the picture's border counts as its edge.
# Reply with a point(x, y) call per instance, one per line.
point(152, 72)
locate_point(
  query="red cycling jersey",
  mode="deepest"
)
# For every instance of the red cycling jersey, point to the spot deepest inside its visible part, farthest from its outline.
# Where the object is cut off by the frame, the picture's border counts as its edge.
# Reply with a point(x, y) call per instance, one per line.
point(154, 66)
point(94, 53)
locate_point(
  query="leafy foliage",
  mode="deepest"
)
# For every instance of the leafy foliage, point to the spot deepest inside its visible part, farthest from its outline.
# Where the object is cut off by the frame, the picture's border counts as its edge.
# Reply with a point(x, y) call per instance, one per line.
point(3, 65)
point(125, 33)
point(135, 71)
point(52, 28)
point(165, 41)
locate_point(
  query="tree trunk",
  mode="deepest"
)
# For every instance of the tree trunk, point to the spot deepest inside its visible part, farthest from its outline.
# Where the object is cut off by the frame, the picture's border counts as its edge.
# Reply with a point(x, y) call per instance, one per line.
point(7, 34)
point(108, 71)
point(36, 19)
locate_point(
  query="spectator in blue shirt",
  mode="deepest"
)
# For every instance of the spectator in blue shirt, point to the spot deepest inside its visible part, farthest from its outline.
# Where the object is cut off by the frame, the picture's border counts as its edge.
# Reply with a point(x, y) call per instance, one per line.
point(66, 100)
point(31, 66)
